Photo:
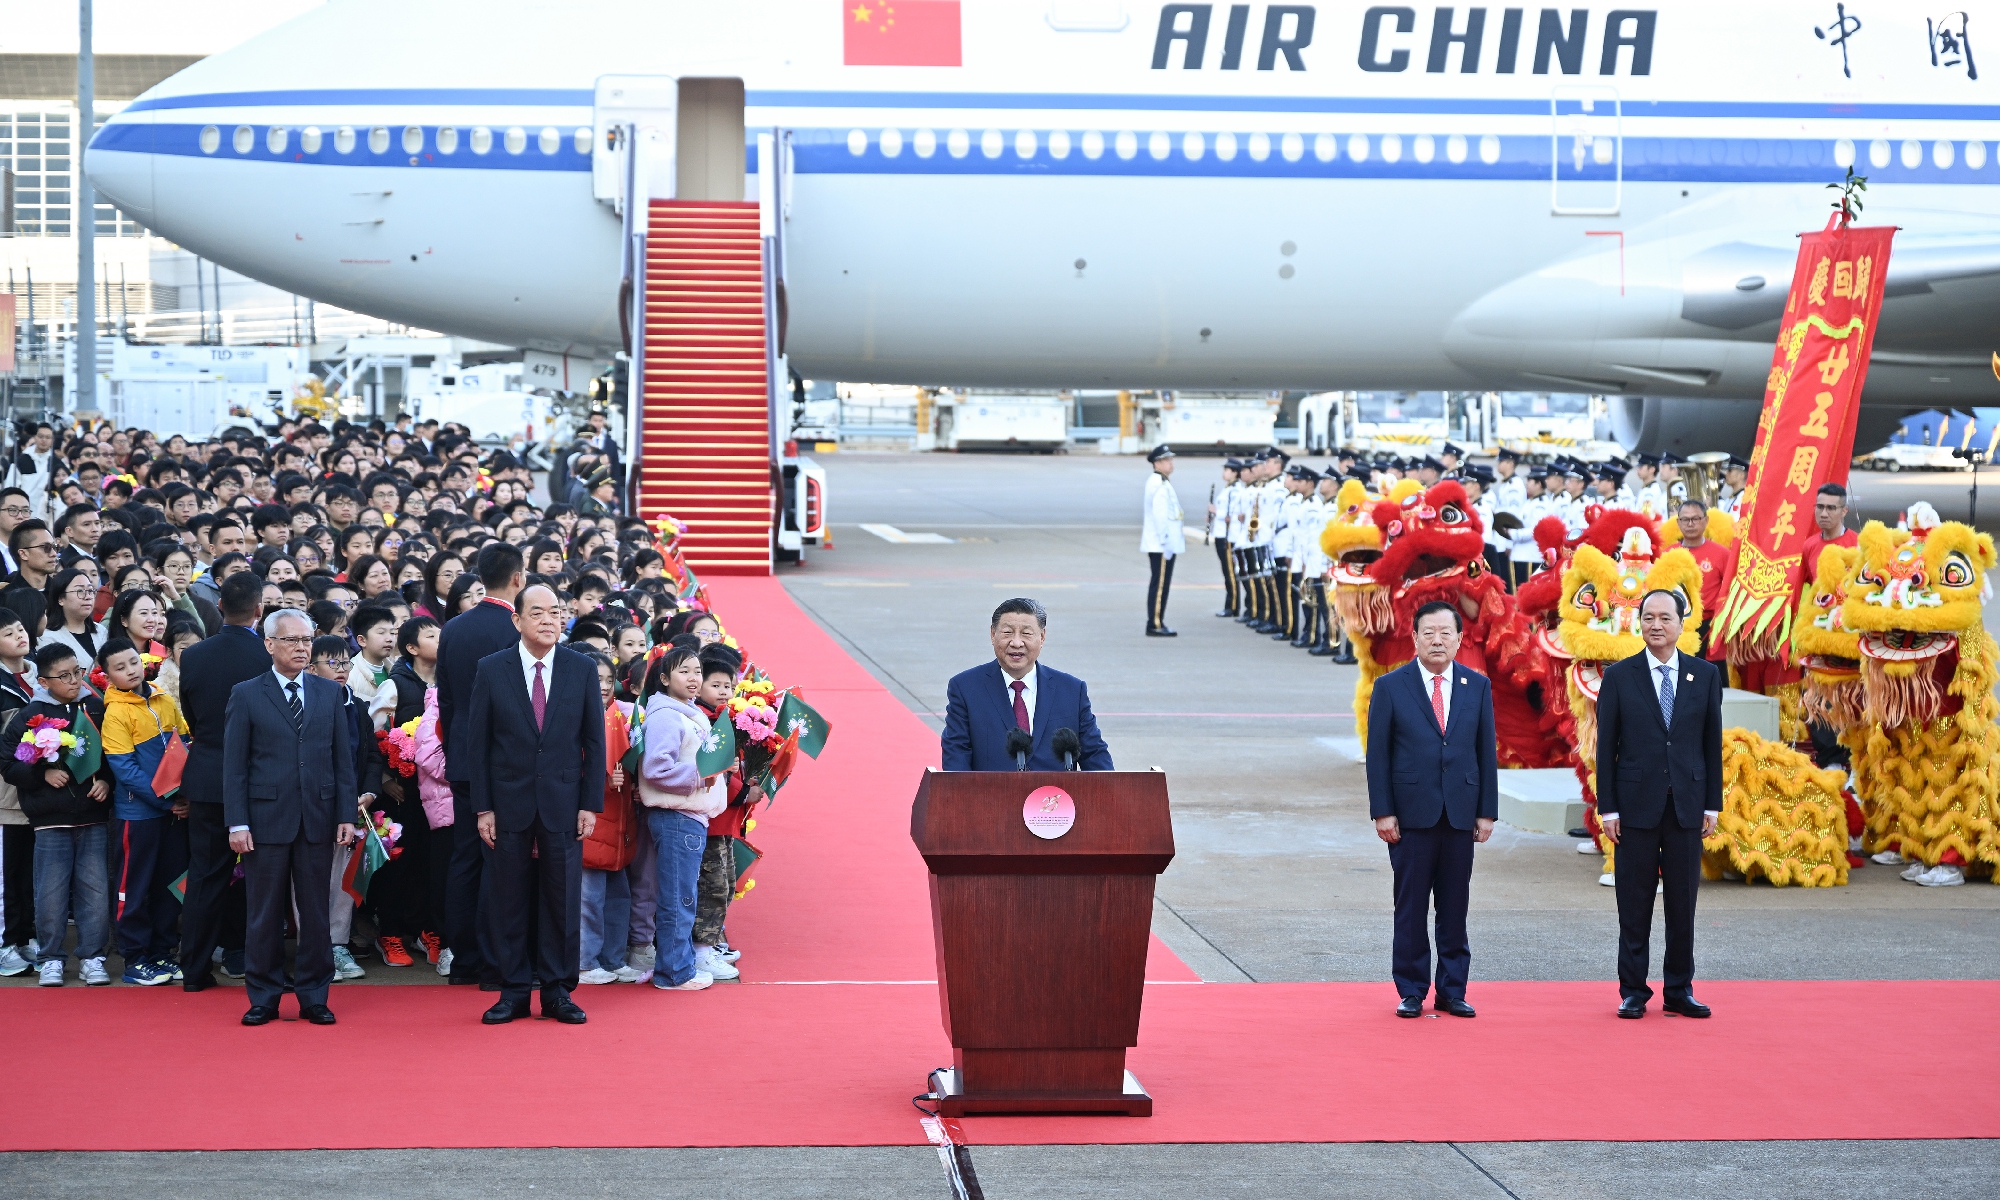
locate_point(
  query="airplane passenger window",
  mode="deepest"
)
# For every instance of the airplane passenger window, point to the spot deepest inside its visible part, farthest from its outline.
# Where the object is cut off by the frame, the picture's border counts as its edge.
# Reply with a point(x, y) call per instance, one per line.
point(1489, 149)
point(1878, 153)
point(1975, 155)
point(1843, 152)
point(378, 140)
point(343, 139)
point(310, 139)
point(275, 138)
point(244, 139)
point(1941, 154)
point(1392, 147)
point(925, 143)
point(1193, 145)
point(1424, 147)
point(583, 140)
point(1454, 148)
point(515, 139)
point(548, 141)
point(1093, 145)
point(857, 142)
point(1260, 146)
point(1225, 147)
point(1025, 144)
point(1325, 147)
point(958, 143)
point(1159, 145)
point(1357, 147)
point(482, 139)
point(991, 143)
point(413, 139)
point(1293, 147)
point(447, 140)
point(1059, 144)
point(1913, 153)
point(211, 139)
point(1127, 143)
point(891, 142)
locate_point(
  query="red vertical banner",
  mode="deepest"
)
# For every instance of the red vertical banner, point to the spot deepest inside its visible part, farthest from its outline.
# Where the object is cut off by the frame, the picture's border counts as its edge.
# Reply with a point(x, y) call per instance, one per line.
point(1805, 437)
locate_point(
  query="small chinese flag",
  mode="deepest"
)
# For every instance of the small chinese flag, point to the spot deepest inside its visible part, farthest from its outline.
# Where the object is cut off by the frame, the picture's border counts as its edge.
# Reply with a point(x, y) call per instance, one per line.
point(900, 33)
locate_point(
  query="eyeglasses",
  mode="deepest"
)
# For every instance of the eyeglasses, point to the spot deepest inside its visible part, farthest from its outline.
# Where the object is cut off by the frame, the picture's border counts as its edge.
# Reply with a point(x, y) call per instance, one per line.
point(15, 510)
point(40, 546)
point(75, 676)
point(338, 664)
point(305, 640)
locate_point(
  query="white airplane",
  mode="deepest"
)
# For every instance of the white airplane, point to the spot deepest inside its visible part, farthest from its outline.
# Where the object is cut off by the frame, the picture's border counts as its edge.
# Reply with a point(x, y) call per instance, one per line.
point(1090, 192)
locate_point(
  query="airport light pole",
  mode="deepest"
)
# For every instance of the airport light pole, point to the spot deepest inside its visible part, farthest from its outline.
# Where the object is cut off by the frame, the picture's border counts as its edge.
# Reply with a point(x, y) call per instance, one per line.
point(83, 388)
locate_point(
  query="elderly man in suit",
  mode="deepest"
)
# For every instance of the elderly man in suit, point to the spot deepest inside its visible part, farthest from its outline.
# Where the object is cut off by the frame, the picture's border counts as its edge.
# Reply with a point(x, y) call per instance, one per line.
point(1659, 792)
point(1434, 791)
point(535, 728)
point(288, 798)
point(210, 671)
point(469, 637)
point(986, 704)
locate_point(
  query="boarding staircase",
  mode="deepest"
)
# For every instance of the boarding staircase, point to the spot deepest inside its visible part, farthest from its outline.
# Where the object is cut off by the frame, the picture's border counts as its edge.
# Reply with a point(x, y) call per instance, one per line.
point(705, 426)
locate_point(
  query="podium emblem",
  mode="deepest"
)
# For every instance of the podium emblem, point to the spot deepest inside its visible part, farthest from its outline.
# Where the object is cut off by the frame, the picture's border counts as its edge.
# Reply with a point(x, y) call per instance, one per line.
point(1048, 812)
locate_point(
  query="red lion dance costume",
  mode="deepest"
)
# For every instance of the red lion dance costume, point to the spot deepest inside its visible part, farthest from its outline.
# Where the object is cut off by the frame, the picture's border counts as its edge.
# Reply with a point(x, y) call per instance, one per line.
point(1433, 549)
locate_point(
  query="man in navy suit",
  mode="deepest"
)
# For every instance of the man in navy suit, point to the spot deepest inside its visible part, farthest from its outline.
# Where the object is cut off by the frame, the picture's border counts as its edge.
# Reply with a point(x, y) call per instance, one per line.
point(1433, 790)
point(469, 637)
point(210, 670)
point(288, 798)
point(535, 732)
point(1659, 792)
point(983, 705)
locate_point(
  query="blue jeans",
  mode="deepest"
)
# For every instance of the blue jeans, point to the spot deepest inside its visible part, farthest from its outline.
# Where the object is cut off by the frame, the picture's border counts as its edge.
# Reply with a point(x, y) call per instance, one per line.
point(645, 889)
point(678, 840)
point(607, 916)
point(70, 882)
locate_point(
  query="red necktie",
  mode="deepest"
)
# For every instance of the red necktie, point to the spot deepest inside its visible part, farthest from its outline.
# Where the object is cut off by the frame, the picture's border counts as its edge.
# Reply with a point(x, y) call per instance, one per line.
point(1437, 699)
point(540, 696)
point(1020, 706)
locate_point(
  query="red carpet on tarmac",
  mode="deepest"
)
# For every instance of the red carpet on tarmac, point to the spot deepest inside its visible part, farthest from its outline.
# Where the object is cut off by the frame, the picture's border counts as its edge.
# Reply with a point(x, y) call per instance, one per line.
point(836, 1025)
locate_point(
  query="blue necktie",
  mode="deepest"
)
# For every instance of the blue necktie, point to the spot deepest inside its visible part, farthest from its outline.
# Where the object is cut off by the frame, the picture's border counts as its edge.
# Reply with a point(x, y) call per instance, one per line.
point(1667, 695)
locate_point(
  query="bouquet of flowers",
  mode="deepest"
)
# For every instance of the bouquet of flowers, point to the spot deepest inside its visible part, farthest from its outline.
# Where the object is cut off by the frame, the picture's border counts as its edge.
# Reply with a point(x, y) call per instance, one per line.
point(399, 747)
point(390, 832)
point(753, 713)
point(46, 738)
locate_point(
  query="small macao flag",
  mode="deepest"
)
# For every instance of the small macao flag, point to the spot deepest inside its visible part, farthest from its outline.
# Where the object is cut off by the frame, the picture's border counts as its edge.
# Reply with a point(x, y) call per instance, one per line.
point(796, 716)
point(718, 746)
point(86, 758)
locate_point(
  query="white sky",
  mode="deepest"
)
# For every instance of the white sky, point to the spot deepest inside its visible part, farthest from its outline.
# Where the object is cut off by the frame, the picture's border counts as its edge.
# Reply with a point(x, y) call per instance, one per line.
point(142, 26)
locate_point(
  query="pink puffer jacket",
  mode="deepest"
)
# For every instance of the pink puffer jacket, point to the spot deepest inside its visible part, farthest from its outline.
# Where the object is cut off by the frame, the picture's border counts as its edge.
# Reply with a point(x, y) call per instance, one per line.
point(431, 785)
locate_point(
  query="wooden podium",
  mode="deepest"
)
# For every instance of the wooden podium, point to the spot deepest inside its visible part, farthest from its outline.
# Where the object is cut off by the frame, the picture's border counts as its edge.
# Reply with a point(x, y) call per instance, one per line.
point(1041, 936)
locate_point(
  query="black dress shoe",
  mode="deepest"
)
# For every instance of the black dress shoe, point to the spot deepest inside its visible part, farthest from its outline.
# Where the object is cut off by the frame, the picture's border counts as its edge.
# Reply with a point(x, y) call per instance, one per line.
point(562, 1008)
point(260, 1014)
point(1411, 1006)
point(198, 983)
point(1322, 651)
point(318, 1014)
point(1457, 1008)
point(1345, 659)
point(1632, 1009)
point(1227, 612)
point(505, 1011)
point(1687, 1006)
point(1162, 631)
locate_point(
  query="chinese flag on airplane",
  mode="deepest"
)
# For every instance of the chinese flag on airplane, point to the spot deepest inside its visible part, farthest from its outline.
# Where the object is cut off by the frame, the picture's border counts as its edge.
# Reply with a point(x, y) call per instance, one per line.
point(900, 33)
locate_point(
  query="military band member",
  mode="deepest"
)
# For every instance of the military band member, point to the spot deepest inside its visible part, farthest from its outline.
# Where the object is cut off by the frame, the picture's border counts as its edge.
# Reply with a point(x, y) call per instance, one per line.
point(1651, 494)
point(1163, 538)
point(1609, 477)
point(1670, 476)
point(1452, 458)
point(1218, 519)
point(1479, 482)
point(1318, 566)
point(1525, 556)
point(1242, 500)
point(1300, 482)
point(1508, 490)
point(1429, 471)
point(1270, 502)
point(1733, 480)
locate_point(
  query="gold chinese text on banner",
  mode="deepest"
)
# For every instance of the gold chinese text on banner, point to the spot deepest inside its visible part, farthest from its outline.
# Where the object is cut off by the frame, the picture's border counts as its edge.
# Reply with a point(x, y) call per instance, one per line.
point(1805, 437)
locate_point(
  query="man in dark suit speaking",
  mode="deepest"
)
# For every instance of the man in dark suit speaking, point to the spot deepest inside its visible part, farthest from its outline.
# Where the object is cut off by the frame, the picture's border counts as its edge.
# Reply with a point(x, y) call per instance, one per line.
point(535, 733)
point(1659, 792)
point(1433, 790)
point(288, 798)
point(985, 705)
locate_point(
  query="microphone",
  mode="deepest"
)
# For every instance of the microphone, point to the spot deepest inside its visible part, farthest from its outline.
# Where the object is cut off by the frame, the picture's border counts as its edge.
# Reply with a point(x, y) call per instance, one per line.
point(1067, 746)
point(1018, 745)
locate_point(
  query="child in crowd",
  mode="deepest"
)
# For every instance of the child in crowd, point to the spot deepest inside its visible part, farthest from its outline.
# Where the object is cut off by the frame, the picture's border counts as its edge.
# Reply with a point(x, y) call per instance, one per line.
point(17, 836)
point(139, 722)
point(679, 802)
point(182, 631)
point(607, 852)
point(70, 817)
point(331, 661)
point(719, 668)
point(404, 899)
point(374, 630)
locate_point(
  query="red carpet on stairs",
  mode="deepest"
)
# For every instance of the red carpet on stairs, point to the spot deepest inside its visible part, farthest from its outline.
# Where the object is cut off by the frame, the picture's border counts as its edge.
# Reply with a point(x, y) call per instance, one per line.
point(791, 1057)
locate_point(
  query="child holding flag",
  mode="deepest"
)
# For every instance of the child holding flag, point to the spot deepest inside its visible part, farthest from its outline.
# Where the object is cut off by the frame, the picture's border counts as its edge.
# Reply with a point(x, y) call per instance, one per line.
point(139, 722)
point(719, 668)
point(679, 800)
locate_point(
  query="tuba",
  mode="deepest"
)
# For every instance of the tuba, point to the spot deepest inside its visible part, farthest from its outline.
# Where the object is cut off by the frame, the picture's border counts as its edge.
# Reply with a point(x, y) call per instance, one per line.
point(1702, 475)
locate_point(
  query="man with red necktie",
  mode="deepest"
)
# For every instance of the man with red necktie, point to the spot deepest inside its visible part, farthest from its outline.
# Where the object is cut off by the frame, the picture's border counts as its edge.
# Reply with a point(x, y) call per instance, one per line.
point(1015, 692)
point(1433, 791)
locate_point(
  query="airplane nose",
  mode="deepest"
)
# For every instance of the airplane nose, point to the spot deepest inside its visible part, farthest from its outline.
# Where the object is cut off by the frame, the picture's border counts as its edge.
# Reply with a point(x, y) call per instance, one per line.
point(120, 165)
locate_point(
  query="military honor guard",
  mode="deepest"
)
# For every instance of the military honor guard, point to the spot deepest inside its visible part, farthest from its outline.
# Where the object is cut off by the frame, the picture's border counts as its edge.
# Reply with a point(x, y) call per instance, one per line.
point(1163, 538)
point(1219, 523)
point(1509, 489)
point(1318, 567)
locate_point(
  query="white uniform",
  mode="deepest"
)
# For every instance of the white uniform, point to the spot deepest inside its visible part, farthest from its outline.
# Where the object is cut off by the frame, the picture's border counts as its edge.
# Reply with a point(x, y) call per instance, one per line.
point(1165, 529)
point(1652, 499)
point(1487, 507)
point(1509, 495)
point(1570, 509)
point(1236, 510)
point(1312, 561)
point(1531, 513)
point(1290, 513)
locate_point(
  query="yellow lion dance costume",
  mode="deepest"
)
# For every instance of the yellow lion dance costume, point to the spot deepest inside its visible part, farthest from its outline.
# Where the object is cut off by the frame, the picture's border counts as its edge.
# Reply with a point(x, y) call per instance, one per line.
point(1351, 541)
point(1600, 625)
point(1927, 673)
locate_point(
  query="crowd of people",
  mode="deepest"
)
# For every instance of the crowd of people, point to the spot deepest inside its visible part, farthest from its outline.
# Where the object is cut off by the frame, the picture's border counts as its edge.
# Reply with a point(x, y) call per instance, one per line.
point(147, 577)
